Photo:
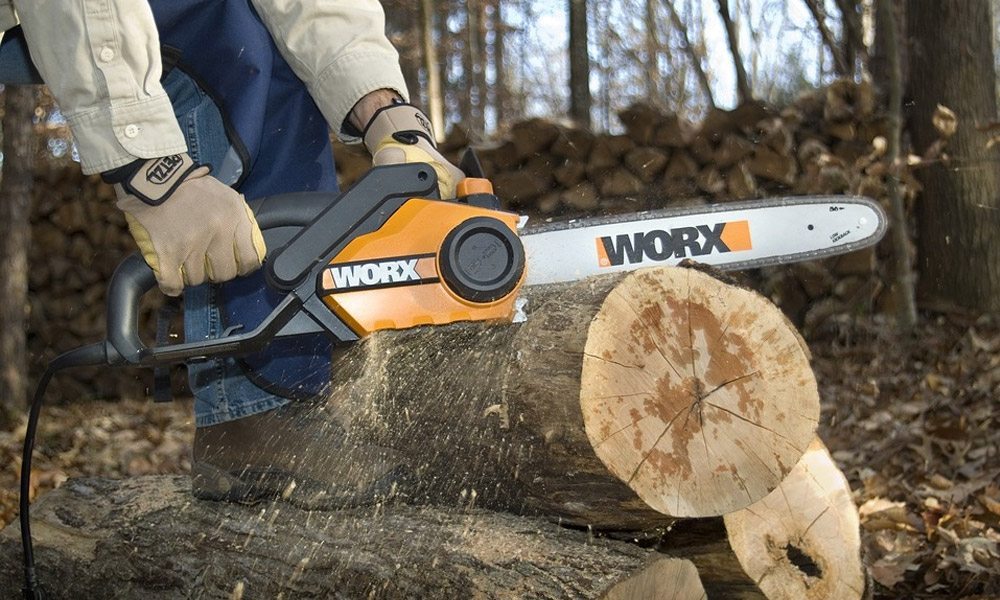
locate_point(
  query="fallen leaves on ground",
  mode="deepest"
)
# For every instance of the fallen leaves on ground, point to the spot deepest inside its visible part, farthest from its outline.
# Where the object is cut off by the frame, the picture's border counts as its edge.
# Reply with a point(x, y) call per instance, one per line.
point(914, 425)
point(119, 439)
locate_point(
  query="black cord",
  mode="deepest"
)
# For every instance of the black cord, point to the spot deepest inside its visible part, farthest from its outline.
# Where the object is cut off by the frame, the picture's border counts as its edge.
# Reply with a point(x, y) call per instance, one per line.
point(93, 354)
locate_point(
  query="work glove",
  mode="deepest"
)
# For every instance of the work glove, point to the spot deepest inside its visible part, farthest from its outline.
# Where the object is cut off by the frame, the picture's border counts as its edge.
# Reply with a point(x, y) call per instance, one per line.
point(189, 226)
point(401, 133)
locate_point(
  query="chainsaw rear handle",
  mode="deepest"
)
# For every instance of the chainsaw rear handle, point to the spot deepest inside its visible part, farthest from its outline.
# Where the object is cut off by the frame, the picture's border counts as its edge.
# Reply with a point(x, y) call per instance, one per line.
point(133, 278)
point(292, 244)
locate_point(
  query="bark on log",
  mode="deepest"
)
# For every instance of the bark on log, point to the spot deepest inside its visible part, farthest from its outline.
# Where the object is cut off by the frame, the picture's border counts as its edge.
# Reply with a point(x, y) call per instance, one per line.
point(803, 541)
point(621, 399)
point(147, 538)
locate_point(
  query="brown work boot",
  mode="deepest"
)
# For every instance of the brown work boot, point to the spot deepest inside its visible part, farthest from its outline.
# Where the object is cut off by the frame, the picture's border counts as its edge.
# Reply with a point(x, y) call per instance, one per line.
point(300, 453)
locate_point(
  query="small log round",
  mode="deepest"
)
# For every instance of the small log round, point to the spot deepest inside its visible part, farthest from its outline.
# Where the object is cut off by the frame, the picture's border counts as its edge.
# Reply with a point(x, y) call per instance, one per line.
point(803, 540)
point(665, 579)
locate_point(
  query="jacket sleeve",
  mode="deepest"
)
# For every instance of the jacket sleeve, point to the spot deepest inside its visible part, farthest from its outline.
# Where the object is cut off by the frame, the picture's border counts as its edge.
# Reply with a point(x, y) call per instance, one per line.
point(338, 48)
point(101, 59)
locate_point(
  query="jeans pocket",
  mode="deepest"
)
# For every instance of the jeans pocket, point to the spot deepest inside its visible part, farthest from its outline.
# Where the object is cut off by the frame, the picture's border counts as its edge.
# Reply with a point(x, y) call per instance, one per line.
point(200, 119)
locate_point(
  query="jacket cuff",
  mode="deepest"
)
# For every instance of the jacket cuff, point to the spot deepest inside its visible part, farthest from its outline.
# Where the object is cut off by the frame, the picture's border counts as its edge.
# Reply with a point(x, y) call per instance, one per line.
point(110, 138)
point(339, 87)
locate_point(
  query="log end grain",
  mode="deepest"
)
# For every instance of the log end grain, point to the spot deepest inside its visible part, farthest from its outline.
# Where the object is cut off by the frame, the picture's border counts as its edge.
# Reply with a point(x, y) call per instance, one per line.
point(697, 394)
point(803, 540)
point(665, 579)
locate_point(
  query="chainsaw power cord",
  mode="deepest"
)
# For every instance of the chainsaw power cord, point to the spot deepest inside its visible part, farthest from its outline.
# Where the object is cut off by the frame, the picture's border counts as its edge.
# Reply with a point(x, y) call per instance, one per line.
point(92, 354)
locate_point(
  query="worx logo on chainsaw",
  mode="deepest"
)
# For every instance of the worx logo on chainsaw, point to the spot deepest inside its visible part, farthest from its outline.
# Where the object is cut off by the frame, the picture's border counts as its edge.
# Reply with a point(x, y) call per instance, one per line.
point(679, 243)
point(388, 272)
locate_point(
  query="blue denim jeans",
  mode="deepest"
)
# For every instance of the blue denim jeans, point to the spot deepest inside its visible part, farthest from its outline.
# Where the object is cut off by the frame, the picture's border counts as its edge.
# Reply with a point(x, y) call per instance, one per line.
point(221, 389)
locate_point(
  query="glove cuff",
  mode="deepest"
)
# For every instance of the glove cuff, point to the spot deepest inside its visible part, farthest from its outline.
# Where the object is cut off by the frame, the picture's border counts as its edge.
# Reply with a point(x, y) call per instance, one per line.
point(152, 180)
point(402, 122)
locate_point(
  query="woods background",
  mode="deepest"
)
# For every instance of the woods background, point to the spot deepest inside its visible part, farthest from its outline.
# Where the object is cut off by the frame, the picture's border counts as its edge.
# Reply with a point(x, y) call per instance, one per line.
point(584, 107)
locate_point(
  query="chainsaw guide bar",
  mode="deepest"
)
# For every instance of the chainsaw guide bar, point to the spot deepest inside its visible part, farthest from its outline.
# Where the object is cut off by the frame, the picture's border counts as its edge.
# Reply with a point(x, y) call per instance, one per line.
point(739, 235)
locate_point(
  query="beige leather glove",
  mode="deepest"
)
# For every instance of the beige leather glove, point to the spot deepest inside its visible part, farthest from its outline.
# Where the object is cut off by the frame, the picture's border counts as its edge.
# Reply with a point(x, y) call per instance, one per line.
point(401, 133)
point(189, 226)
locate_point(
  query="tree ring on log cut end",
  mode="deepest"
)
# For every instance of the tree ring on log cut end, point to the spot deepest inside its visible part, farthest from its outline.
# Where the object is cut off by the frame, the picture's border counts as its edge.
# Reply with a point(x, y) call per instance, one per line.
point(697, 394)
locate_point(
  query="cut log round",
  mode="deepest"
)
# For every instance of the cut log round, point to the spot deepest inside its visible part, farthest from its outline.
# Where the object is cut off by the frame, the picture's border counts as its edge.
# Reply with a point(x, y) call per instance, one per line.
point(699, 396)
point(578, 414)
point(665, 579)
point(803, 540)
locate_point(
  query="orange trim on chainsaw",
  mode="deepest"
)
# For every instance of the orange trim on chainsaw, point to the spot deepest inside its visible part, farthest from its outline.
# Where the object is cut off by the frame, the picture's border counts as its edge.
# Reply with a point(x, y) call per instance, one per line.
point(396, 271)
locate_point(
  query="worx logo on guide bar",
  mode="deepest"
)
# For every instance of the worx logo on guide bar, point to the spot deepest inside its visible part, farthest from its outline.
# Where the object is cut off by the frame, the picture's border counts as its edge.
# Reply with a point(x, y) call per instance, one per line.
point(404, 270)
point(680, 242)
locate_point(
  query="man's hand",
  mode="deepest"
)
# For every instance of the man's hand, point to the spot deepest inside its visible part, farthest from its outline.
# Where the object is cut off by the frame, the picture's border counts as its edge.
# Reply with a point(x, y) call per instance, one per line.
point(190, 227)
point(401, 133)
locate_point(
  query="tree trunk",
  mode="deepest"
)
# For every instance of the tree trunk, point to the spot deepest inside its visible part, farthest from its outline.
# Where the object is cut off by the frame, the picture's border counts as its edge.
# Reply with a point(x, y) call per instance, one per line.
point(906, 305)
point(819, 15)
point(146, 537)
point(852, 34)
point(743, 88)
point(622, 399)
point(803, 541)
point(435, 96)
point(958, 212)
point(692, 53)
point(579, 64)
point(654, 87)
point(15, 212)
point(403, 29)
point(499, 87)
point(475, 88)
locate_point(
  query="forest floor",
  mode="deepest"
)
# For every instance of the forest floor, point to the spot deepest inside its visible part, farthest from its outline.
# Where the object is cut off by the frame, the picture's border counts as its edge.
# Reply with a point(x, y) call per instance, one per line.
point(914, 424)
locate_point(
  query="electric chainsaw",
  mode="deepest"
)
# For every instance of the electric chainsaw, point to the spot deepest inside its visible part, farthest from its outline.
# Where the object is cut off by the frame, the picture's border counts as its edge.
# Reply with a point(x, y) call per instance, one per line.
point(390, 254)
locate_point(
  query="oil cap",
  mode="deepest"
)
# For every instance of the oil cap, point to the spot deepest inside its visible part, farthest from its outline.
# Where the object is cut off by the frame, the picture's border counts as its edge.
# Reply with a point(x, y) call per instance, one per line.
point(482, 259)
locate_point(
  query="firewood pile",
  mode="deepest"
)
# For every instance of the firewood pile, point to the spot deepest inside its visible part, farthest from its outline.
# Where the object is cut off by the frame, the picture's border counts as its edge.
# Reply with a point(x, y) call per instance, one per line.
point(78, 238)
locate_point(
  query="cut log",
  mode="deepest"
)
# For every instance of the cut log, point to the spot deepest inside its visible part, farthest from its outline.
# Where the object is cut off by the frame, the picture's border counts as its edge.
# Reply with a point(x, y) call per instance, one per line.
point(622, 399)
point(619, 182)
point(665, 579)
point(803, 540)
point(147, 538)
point(533, 137)
point(646, 162)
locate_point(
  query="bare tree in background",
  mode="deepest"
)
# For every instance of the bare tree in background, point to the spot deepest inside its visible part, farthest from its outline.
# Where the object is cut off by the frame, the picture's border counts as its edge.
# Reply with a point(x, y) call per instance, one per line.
point(692, 53)
point(852, 34)
point(654, 77)
point(499, 91)
point(579, 64)
point(906, 310)
point(832, 45)
point(402, 28)
point(958, 213)
point(733, 35)
point(15, 212)
point(435, 95)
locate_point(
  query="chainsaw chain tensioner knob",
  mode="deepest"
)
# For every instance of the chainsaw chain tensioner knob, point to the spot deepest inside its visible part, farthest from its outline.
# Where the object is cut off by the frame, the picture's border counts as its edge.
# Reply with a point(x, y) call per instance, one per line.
point(482, 260)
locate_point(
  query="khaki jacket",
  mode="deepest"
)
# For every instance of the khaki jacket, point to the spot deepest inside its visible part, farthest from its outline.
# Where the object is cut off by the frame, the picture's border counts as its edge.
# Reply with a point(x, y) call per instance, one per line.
point(106, 75)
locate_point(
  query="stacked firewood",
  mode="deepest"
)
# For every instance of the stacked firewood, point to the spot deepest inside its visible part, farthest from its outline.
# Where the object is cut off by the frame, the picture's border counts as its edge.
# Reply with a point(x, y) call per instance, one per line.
point(78, 238)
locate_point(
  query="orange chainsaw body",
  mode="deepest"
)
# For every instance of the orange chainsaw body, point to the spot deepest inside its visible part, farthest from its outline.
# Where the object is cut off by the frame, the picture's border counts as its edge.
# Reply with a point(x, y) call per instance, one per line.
point(395, 277)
